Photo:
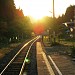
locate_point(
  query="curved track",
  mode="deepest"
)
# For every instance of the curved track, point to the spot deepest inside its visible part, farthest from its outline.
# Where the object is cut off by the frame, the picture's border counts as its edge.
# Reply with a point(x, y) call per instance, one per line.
point(17, 64)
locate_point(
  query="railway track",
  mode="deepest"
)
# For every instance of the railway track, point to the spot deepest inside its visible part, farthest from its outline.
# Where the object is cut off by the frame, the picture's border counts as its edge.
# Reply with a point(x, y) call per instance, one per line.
point(20, 62)
point(25, 60)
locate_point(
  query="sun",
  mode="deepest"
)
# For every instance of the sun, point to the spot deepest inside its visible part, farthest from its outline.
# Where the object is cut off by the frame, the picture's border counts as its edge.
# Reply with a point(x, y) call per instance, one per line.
point(36, 9)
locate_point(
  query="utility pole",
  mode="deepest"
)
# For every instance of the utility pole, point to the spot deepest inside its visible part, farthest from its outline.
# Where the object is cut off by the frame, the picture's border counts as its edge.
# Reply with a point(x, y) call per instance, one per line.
point(53, 10)
point(54, 22)
point(53, 14)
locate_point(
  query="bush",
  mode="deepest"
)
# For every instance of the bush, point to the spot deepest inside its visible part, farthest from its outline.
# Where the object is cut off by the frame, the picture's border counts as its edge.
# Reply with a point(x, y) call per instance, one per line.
point(73, 52)
point(54, 44)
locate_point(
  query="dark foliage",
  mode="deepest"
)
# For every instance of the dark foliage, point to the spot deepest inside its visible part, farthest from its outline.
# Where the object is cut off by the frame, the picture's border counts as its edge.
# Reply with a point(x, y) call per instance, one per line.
point(73, 52)
point(13, 24)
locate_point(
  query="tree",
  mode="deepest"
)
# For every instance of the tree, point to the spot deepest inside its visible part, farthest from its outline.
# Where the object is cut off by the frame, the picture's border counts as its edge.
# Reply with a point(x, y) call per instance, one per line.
point(7, 9)
point(12, 21)
point(69, 15)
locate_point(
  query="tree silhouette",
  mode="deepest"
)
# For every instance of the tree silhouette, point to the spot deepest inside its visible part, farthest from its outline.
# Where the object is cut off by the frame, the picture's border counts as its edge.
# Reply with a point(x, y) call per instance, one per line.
point(13, 23)
point(7, 9)
point(69, 15)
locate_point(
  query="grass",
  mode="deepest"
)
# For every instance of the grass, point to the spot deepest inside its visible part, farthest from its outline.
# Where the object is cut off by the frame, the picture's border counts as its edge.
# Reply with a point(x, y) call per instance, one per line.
point(73, 52)
point(66, 45)
point(6, 48)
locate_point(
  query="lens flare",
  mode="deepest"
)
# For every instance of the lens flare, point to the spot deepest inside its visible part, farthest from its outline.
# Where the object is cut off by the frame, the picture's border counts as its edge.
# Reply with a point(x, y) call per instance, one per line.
point(38, 28)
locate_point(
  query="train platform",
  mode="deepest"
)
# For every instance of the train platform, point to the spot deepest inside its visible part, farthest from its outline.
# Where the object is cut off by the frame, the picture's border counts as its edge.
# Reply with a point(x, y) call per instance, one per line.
point(43, 65)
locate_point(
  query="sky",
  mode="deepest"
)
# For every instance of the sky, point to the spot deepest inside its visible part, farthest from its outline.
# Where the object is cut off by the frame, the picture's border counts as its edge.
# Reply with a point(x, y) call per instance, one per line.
point(40, 8)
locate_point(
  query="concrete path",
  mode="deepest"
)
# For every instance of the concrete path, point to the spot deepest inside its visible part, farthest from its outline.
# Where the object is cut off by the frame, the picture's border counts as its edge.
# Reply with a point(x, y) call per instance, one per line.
point(43, 64)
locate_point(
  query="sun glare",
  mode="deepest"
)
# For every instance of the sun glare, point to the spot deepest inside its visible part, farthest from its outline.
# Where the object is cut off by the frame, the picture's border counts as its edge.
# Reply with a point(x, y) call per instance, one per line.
point(35, 8)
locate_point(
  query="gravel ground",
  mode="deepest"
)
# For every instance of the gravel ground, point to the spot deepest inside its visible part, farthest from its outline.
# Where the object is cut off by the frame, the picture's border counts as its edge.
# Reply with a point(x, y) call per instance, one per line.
point(65, 64)
point(60, 55)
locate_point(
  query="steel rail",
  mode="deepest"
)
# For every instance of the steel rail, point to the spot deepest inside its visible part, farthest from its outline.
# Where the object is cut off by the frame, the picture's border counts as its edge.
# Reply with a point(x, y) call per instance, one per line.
point(23, 65)
point(17, 55)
